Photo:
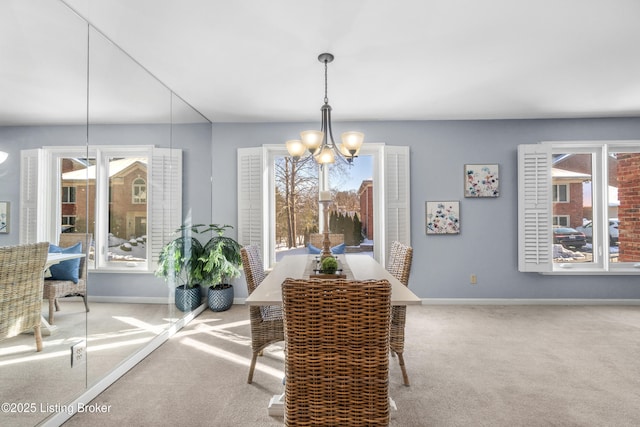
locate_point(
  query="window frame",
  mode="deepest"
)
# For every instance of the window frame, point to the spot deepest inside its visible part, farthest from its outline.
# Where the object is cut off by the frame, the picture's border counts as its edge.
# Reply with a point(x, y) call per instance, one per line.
point(535, 207)
point(41, 196)
point(256, 197)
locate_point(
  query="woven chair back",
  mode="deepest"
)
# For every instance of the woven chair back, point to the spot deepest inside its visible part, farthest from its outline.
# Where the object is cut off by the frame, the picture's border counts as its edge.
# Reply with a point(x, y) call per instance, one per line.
point(337, 343)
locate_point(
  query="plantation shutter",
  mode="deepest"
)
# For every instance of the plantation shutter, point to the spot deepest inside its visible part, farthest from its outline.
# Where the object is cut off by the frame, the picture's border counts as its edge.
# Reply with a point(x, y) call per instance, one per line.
point(534, 208)
point(396, 206)
point(165, 199)
point(251, 221)
point(31, 196)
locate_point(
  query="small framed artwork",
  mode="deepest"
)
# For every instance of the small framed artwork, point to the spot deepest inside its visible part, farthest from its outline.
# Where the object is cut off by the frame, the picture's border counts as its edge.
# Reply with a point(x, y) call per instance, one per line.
point(481, 180)
point(4, 217)
point(443, 217)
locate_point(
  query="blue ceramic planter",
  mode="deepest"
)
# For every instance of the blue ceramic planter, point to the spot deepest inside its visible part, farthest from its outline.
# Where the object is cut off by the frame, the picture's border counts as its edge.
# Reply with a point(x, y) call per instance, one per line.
point(188, 299)
point(220, 299)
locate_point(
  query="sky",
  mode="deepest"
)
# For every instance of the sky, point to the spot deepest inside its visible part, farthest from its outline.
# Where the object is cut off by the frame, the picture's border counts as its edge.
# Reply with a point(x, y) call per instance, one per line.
point(361, 169)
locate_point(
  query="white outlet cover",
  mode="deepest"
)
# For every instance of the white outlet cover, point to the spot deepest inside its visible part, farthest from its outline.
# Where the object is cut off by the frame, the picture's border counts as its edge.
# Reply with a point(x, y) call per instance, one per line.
point(78, 354)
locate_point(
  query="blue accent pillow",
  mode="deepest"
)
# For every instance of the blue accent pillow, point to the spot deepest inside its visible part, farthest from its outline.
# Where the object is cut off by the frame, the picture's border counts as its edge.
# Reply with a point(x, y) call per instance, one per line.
point(66, 270)
point(313, 249)
point(338, 249)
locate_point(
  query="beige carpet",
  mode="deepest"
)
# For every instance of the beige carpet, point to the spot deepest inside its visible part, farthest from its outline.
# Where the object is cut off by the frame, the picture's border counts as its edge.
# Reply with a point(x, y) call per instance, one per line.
point(469, 366)
point(113, 332)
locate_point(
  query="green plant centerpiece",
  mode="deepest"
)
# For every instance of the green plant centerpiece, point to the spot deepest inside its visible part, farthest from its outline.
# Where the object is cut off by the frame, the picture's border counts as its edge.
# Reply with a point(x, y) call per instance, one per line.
point(329, 265)
point(179, 264)
point(220, 261)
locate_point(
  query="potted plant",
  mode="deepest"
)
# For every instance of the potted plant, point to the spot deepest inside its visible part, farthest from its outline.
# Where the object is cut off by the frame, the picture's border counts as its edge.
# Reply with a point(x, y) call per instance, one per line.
point(220, 261)
point(179, 264)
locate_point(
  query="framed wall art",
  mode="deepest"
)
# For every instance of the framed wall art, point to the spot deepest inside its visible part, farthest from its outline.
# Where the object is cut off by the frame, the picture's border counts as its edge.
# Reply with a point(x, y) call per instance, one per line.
point(443, 217)
point(481, 180)
point(4, 217)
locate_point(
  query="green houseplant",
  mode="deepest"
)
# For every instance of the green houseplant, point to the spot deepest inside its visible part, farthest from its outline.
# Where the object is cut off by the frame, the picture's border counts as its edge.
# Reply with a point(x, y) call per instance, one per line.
point(179, 264)
point(220, 261)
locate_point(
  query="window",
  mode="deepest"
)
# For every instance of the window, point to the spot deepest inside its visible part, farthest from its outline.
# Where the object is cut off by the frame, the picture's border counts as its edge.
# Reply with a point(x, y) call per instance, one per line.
point(577, 207)
point(139, 191)
point(561, 220)
point(68, 195)
point(109, 200)
point(256, 197)
point(560, 193)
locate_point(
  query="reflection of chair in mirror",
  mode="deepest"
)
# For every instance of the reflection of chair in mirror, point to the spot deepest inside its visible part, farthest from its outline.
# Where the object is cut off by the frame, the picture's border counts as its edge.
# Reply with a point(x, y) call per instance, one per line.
point(21, 273)
point(54, 289)
point(266, 321)
point(337, 352)
point(400, 267)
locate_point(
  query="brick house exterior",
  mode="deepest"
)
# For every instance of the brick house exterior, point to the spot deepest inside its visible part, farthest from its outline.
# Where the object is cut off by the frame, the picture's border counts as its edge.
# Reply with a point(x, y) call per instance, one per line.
point(127, 197)
point(628, 172)
point(365, 193)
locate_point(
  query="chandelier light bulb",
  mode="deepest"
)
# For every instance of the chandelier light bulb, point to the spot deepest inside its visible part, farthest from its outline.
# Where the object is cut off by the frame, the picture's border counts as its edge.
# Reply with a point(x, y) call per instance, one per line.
point(312, 139)
point(352, 141)
point(296, 148)
point(326, 155)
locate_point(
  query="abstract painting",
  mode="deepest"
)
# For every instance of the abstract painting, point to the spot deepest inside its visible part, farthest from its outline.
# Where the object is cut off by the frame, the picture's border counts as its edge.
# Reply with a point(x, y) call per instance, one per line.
point(481, 181)
point(4, 217)
point(443, 217)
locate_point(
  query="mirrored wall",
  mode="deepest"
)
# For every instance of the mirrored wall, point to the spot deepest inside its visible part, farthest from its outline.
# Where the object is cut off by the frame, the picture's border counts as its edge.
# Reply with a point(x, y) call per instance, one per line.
point(120, 157)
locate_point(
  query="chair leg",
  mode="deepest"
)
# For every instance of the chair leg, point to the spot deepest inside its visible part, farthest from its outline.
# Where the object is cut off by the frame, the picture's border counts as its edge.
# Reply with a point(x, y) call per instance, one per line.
point(38, 334)
point(56, 302)
point(86, 304)
point(52, 304)
point(405, 377)
point(254, 358)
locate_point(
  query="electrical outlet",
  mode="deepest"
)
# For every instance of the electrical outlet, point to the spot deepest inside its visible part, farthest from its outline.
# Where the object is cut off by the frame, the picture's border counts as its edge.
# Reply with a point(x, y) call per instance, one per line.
point(473, 279)
point(78, 353)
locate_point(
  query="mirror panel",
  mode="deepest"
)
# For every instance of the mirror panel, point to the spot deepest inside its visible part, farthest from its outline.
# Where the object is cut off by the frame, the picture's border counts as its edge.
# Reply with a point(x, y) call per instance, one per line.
point(93, 98)
point(40, 109)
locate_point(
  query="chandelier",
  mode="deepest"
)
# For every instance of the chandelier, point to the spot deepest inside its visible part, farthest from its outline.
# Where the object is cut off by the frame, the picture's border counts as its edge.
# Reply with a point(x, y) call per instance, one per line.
point(320, 143)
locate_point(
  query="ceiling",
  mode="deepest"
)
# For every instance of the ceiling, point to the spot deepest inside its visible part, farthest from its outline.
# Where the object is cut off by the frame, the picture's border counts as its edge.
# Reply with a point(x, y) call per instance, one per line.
point(256, 60)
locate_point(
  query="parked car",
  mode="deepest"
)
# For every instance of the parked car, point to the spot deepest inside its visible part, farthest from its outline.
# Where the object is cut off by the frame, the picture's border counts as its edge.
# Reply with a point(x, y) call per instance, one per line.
point(587, 229)
point(569, 237)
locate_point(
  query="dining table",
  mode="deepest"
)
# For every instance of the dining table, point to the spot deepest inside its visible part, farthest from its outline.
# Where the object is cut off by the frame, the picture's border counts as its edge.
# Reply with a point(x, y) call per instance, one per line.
point(353, 266)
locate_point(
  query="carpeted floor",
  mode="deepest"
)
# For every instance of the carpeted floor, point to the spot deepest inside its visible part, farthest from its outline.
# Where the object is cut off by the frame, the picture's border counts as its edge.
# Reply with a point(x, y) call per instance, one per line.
point(43, 379)
point(469, 366)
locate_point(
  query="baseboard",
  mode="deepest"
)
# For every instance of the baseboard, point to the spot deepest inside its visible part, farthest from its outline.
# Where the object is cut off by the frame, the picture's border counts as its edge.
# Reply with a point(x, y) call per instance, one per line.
point(128, 300)
point(528, 301)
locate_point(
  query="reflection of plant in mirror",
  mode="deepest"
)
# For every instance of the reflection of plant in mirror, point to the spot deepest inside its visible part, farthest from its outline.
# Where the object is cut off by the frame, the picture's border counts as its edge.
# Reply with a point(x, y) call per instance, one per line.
point(329, 265)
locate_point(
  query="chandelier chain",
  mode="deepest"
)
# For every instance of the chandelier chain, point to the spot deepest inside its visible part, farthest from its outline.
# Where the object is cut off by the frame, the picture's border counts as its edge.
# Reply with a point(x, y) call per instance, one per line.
point(326, 98)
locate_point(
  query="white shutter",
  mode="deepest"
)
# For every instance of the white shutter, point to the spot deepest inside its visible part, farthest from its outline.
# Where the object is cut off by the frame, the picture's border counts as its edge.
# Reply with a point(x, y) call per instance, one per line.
point(165, 199)
point(397, 209)
point(534, 208)
point(31, 171)
point(250, 203)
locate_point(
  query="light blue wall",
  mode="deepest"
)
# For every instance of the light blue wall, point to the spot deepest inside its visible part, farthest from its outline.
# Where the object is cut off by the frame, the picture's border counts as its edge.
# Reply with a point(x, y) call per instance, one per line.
point(193, 139)
point(487, 244)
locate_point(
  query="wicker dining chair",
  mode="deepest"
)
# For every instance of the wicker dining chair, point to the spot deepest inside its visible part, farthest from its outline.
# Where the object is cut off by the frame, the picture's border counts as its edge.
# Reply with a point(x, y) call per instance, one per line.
point(266, 321)
point(400, 267)
point(337, 352)
point(21, 274)
point(54, 289)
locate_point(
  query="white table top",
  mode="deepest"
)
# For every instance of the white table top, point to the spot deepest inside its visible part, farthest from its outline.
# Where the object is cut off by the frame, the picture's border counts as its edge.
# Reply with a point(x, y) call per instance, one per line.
point(55, 258)
point(363, 267)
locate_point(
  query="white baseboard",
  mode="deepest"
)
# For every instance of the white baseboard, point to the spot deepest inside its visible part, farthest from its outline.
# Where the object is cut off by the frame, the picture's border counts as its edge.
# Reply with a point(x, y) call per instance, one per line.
point(528, 301)
point(128, 300)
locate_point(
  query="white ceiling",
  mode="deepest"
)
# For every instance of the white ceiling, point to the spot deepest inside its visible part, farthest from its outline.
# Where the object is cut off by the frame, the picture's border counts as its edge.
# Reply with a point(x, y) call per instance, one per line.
point(256, 60)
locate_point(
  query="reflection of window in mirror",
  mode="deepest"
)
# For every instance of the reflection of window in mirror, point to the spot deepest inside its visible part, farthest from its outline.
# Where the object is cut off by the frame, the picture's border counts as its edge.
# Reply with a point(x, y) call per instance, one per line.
point(578, 207)
point(105, 194)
